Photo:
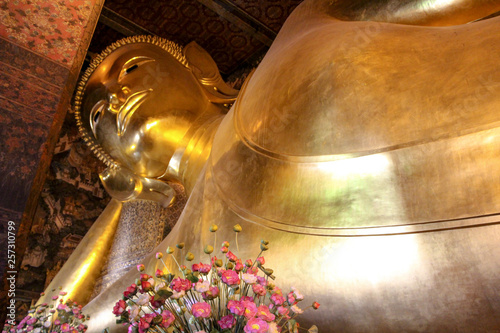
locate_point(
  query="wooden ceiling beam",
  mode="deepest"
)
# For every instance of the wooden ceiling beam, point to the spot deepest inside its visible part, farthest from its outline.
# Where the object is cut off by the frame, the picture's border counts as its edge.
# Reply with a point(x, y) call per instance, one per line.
point(241, 19)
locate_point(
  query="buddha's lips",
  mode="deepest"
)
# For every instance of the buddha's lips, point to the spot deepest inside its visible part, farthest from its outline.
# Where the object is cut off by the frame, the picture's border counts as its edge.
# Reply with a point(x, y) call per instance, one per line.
point(128, 108)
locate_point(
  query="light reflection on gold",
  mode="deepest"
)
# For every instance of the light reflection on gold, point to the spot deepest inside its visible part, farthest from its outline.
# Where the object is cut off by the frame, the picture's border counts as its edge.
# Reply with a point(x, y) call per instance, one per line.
point(78, 274)
point(374, 259)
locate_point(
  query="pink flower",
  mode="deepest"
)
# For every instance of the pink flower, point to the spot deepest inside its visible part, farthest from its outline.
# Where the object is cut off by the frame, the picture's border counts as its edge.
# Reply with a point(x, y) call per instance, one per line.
point(63, 293)
point(65, 327)
point(291, 298)
point(250, 309)
point(256, 325)
point(211, 293)
point(277, 298)
point(32, 321)
point(82, 328)
point(119, 307)
point(236, 307)
point(141, 268)
point(261, 260)
point(201, 309)
point(230, 277)
point(63, 307)
point(226, 322)
point(159, 273)
point(297, 294)
point(259, 290)
point(262, 280)
point(168, 318)
point(179, 284)
point(248, 262)
point(264, 313)
point(246, 298)
point(283, 311)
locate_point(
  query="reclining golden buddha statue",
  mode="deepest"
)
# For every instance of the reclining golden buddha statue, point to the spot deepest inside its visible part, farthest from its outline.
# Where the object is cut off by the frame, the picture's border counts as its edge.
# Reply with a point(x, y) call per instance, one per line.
point(365, 147)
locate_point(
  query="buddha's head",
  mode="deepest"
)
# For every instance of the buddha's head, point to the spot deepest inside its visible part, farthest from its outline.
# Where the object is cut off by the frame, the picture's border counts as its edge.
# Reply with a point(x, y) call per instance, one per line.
point(143, 97)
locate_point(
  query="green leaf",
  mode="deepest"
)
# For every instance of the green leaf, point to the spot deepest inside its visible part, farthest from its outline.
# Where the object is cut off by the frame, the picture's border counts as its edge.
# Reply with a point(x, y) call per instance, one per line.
point(313, 329)
point(162, 294)
point(192, 278)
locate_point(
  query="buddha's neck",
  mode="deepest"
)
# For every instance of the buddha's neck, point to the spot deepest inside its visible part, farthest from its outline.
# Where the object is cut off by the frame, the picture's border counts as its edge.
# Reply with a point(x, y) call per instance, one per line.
point(189, 159)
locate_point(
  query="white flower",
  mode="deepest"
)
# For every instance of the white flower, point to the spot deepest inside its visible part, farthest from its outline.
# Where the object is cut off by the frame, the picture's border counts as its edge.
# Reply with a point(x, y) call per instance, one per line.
point(143, 299)
point(134, 312)
point(177, 295)
point(37, 330)
point(249, 278)
point(273, 328)
point(47, 324)
point(296, 309)
point(159, 286)
point(151, 281)
point(203, 286)
point(298, 295)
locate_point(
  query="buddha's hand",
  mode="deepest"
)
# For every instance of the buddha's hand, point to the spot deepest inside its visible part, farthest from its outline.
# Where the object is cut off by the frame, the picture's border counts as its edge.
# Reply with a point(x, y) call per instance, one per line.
point(124, 185)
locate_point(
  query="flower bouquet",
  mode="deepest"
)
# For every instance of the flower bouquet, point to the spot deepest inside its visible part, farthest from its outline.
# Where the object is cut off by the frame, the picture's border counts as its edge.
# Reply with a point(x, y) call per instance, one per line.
point(44, 318)
point(225, 295)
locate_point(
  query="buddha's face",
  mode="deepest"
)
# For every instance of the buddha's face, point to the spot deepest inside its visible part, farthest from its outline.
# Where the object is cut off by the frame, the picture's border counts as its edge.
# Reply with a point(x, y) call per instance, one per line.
point(139, 103)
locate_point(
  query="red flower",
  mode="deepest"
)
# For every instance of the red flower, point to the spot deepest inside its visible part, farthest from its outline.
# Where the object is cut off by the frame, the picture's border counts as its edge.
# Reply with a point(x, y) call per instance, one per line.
point(179, 284)
point(230, 255)
point(315, 305)
point(130, 291)
point(144, 322)
point(119, 307)
point(226, 322)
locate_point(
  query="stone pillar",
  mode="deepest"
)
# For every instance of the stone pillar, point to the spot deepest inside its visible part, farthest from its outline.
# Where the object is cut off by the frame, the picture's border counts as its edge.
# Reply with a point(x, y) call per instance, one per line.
point(42, 47)
point(143, 225)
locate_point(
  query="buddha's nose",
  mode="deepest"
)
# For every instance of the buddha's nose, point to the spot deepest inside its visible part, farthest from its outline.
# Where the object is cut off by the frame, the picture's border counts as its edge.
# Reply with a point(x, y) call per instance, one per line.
point(118, 96)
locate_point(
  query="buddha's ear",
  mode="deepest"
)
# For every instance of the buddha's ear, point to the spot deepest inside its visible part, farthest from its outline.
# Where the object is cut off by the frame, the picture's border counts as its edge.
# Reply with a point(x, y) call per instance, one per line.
point(205, 70)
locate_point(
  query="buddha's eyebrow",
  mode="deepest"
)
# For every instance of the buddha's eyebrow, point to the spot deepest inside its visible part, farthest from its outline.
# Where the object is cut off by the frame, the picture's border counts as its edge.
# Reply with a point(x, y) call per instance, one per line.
point(132, 64)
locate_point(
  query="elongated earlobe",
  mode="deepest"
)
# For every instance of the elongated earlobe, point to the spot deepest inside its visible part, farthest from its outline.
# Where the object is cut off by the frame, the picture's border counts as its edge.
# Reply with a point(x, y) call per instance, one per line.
point(205, 70)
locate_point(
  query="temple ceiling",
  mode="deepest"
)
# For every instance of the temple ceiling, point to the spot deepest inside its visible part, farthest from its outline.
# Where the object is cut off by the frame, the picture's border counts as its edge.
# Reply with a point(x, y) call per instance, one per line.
point(235, 32)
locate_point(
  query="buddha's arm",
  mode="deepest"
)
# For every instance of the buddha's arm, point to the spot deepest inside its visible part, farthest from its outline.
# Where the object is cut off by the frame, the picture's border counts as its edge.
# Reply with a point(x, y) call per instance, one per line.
point(415, 12)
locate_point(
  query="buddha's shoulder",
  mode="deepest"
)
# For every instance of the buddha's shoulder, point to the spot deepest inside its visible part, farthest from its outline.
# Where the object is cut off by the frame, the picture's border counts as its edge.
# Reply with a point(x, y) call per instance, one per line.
point(342, 87)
